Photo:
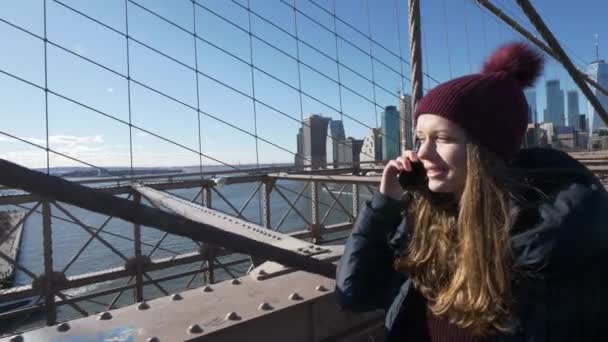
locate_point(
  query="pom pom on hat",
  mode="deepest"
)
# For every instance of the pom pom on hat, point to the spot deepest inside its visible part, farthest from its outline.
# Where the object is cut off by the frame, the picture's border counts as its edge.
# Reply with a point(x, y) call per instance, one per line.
point(518, 61)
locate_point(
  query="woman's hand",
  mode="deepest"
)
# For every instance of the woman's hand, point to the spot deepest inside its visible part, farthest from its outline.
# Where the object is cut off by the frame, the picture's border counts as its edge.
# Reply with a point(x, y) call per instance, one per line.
point(389, 185)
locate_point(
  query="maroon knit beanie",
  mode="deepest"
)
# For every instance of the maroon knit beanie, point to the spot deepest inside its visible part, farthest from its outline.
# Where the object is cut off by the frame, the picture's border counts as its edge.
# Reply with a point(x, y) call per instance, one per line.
point(490, 106)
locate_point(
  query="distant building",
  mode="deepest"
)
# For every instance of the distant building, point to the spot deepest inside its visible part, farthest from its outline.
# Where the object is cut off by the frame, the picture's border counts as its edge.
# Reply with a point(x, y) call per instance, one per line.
point(548, 133)
point(314, 141)
point(390, 133)
point(554, 111)
point(566, 137)
point(573, 109)
point(335, 133)
point(583, 123)
point(598, 71)
point(406, 127)
point(599, 139)
point(531, 100)
point(299, 161)
point(349, 152)
point(583, 140)
point(532, 138)
point(371, 150)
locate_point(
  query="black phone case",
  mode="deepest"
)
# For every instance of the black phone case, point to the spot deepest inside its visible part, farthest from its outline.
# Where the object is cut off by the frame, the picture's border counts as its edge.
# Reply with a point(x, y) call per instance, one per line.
point(415, 179)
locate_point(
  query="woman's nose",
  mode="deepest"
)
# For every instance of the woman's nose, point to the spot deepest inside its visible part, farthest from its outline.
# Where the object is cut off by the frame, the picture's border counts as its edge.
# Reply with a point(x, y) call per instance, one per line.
point(423, 149)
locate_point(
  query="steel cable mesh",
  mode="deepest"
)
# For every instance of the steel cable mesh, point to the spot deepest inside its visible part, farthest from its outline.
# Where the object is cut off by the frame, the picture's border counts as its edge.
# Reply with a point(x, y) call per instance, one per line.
point(54, 95)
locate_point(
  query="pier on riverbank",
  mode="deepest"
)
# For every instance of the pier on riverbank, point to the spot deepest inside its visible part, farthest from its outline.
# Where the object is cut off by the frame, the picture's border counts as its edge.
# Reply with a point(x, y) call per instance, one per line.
point(10, 245)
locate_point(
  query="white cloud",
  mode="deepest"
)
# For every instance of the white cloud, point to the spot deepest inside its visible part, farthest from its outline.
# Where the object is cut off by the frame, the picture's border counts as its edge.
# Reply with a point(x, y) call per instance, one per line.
point(6, 139)
point(110, 90)
point(142, 134)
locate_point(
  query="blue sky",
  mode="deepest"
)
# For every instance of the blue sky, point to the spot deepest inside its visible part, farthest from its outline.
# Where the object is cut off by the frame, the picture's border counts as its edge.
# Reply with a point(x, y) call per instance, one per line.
point(458, 35)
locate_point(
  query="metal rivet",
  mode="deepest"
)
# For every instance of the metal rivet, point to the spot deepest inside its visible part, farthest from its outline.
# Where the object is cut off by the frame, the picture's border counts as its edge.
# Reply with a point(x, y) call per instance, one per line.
point(295, 296)
point(153, 339)
point(235, 282)
point(318, 248)
point(321, 288)
point(63, 327)
point(262, 273)
point(104, 316)
point(265, 306)
point(195, 329)
point(232, 316)
point(143, 306)
point(177, 296)
point(17, 338)
point(207, 288)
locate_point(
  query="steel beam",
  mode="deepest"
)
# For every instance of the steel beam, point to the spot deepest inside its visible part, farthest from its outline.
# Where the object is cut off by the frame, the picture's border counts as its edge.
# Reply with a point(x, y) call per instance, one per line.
point(18, 177)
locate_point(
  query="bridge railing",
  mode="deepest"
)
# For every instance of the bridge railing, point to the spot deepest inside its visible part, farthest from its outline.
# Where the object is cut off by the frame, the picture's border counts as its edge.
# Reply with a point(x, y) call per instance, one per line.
point(74, 262)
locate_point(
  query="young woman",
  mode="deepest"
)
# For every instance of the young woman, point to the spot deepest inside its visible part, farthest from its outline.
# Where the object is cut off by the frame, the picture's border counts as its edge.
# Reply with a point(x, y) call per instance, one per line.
point(500, 244)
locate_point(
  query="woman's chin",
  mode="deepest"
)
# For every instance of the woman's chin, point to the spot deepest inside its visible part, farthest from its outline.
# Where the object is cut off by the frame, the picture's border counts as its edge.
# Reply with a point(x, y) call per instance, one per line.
point(440, 186)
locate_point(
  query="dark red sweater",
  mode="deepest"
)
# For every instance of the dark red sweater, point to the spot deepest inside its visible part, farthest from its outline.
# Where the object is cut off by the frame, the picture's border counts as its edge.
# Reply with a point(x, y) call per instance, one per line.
point(440, 330)
point(420, 324)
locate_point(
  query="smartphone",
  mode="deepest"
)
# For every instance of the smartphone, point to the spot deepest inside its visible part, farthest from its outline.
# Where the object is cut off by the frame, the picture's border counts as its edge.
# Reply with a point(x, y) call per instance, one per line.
point(415, 179)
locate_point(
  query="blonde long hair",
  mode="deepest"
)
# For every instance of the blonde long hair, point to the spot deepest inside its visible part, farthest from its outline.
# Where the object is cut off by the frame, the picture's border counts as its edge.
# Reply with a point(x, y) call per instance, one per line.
point(460, 259)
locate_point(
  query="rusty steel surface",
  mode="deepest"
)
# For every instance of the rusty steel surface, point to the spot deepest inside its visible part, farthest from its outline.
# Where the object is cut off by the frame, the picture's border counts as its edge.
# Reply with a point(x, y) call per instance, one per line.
point(296, 306)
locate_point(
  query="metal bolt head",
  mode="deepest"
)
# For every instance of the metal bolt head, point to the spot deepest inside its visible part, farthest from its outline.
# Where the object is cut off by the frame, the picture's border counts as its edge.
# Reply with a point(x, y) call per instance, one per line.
point(318, 248)
point(104, 316)
point(195, 329)
point(207, 288)
point(153, 339)
point(265, 306)
point(295, 296)
point(143, 306)
point(232, 316)
point(262, 273)
point(235, 281)
point(321, 288)
point(177, 296)
point(17, 338)
point(63, 327)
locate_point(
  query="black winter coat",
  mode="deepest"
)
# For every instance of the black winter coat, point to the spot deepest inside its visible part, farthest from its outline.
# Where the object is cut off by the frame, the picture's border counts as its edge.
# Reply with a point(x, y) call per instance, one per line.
point(564, 239)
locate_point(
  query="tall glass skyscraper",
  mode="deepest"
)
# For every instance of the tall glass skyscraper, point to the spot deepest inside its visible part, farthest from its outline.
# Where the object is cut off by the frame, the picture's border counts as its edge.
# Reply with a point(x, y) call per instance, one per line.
point(390, 133)
point(598, 71)
point(335, 134)
point(554, 111)
point(573, 109)
point(531, 99)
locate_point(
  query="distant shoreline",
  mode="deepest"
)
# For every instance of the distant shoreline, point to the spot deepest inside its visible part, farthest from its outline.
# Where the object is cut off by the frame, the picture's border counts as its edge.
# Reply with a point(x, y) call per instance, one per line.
point(91, 172)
